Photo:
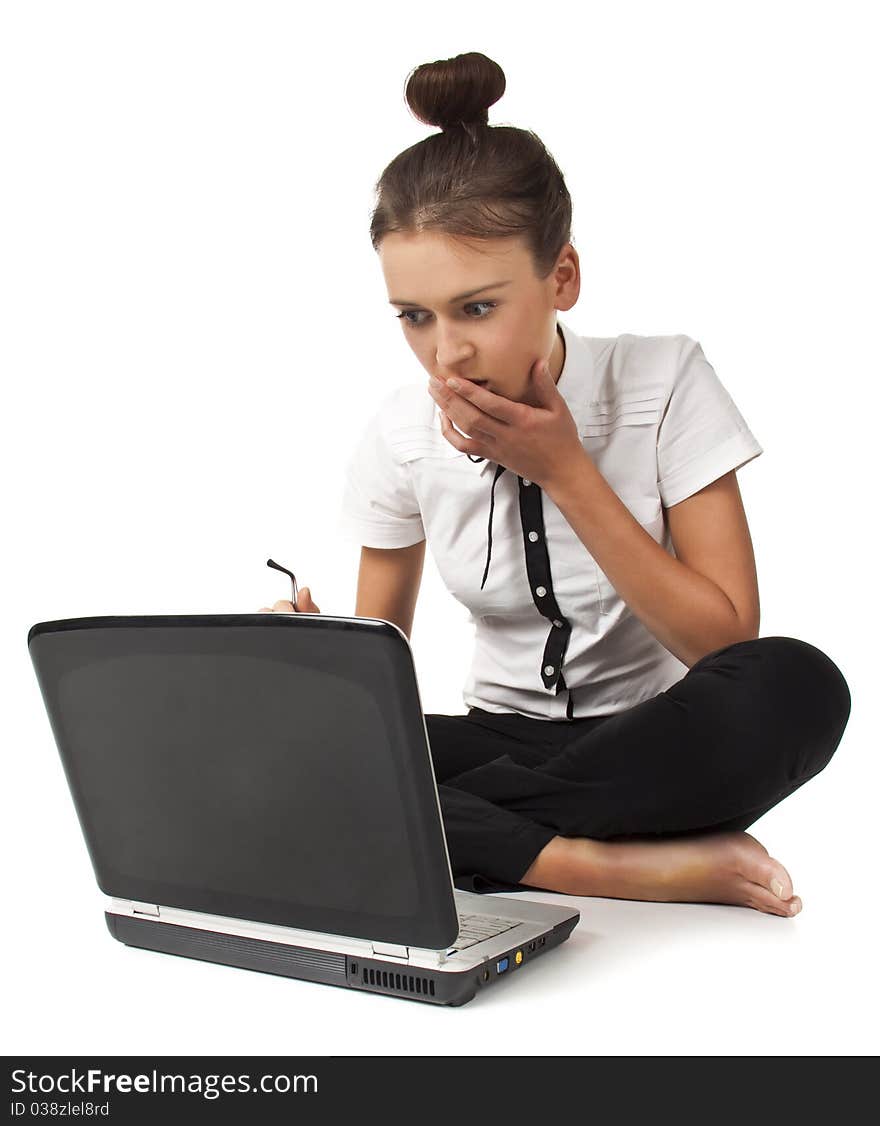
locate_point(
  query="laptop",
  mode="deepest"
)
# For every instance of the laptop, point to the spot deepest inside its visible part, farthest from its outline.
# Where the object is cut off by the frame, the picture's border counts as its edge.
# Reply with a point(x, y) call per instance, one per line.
point(257, 790)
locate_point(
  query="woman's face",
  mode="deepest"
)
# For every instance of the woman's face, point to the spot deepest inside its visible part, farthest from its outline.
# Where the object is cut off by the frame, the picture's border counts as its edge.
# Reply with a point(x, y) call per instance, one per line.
point(477, 309)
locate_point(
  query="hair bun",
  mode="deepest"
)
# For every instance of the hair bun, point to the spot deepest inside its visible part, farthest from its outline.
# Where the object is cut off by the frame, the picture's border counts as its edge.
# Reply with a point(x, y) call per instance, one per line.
point(455, 91)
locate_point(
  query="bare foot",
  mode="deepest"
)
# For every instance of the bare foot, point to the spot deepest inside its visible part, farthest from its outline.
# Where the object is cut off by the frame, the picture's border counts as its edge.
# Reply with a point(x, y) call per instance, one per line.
point(711, 867)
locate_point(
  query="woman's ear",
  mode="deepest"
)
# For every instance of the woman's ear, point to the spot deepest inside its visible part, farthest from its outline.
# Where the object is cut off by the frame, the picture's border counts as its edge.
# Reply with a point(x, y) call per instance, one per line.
point(568, 278)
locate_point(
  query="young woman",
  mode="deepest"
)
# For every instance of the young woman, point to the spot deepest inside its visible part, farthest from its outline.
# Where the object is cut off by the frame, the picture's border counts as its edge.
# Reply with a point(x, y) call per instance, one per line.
point(625, 722)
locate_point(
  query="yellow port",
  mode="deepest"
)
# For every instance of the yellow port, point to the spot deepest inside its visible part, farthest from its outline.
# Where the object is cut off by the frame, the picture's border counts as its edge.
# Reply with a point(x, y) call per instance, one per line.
point(518, 958)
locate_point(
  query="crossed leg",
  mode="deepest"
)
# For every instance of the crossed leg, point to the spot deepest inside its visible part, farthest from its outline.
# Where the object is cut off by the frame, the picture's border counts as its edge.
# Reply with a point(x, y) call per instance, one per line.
point(652, 802)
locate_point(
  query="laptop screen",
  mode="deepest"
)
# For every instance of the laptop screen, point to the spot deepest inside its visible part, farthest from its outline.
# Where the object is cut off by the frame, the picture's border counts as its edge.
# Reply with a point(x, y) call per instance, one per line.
point(268, 767)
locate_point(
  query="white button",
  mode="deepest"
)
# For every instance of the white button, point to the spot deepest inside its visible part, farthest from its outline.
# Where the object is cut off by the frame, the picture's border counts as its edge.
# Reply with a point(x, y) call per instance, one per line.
point(549, 670)
point(558, 624)
point(525, 482)
point(533, 536)
point(540, 591)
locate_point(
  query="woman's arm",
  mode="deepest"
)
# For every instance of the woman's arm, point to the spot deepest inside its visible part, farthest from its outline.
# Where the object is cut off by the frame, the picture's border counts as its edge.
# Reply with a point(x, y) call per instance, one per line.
point(388, 584)
point(702, 600)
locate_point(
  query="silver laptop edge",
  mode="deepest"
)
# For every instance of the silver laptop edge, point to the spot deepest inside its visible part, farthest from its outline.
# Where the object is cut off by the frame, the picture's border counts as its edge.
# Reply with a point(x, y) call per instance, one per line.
point(528, 921)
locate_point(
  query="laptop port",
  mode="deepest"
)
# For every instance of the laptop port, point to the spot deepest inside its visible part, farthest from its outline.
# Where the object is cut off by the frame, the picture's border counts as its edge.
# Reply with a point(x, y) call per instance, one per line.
point(502, 965)
point(485, 975)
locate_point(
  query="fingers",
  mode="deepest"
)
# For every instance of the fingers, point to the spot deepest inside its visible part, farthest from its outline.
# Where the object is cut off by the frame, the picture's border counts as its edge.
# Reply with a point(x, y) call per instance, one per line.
point(473, 403)
point(304, 602)
point(304, 605)
point(282, 606)
point(457, 439)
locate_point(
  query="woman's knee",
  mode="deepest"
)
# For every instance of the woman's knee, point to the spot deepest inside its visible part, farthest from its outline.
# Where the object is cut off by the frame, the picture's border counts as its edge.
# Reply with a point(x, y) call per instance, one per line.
point(808, 672)
point(789, 693)
point(808, 690)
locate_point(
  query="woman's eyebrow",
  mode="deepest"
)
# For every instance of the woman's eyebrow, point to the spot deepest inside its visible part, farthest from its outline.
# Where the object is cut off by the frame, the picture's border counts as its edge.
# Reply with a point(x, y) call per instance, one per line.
point(460, 297)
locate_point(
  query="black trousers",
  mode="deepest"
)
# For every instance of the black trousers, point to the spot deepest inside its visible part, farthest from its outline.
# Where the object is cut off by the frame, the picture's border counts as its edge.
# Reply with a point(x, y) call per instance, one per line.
point(744, 728)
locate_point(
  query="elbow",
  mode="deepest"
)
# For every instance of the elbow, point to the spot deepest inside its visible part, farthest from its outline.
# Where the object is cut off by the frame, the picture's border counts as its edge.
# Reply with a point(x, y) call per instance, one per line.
point(741, 631)
point(746, 624)
point(749, 626)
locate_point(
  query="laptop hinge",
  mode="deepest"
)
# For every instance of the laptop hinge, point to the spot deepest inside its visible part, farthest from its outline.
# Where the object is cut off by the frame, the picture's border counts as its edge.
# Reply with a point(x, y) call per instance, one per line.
point(145, 909)
point(389, 950)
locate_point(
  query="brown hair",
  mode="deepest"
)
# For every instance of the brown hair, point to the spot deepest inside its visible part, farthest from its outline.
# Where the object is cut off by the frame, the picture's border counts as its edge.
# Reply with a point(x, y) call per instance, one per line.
point(472, 181)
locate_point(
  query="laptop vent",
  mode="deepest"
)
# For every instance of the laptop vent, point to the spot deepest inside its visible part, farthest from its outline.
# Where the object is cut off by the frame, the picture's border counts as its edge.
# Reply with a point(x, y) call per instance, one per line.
point(276, 953)
point(272, 957)
point(401, 983)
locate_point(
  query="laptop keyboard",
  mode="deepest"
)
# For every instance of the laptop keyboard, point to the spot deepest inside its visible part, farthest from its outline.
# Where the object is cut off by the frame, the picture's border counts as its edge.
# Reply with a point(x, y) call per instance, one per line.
point(477, 928)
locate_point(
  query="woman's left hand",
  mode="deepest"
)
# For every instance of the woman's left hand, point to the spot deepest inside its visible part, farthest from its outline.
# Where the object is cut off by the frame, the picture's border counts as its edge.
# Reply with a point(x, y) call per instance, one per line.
point(539, 443)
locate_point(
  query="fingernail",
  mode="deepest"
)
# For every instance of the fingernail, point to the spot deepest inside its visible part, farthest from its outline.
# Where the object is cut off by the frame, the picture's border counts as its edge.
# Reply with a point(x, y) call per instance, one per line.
point(776, 887)
point(794, 908)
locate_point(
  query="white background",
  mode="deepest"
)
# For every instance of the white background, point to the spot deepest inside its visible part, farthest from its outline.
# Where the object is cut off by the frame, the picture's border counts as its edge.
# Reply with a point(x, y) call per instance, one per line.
point(195, 328)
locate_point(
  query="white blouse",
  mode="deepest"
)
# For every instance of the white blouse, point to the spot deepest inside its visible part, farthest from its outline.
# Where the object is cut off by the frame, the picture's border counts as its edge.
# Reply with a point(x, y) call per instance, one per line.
point(553, 639)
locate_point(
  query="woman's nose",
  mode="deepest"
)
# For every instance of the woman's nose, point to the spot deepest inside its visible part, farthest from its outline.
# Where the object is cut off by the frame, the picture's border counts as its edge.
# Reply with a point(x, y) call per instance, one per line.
point(452, 350)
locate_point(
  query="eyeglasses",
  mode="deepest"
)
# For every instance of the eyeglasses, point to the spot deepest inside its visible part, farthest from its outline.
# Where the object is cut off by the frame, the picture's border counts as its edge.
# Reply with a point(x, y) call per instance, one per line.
point(278, 567)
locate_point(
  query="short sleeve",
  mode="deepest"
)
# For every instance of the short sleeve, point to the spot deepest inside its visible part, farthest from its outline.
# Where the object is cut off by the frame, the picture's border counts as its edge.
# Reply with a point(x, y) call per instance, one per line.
point(379, 506)
point(702, 434)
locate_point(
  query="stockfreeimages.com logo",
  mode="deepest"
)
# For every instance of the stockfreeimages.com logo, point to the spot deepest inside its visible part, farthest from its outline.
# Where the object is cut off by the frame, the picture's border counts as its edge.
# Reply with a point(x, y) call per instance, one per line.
point(94, 1081)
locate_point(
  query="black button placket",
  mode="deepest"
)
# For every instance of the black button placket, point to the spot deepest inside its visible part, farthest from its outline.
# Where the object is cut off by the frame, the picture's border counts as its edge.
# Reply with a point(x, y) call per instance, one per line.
point(541, 584)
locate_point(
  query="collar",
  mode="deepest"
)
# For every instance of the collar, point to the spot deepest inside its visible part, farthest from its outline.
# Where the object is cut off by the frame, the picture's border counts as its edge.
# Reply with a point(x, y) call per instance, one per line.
point(575, 385)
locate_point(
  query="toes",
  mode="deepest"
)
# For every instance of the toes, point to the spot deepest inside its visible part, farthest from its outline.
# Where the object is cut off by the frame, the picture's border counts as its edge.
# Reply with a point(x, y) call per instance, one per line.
point(777, 880)
point(766, 872)
point(763, 900)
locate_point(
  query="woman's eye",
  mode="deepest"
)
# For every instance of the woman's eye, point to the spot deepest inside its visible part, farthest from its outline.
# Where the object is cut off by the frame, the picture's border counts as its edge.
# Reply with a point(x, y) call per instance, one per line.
point(407, 313)
point(488, 304)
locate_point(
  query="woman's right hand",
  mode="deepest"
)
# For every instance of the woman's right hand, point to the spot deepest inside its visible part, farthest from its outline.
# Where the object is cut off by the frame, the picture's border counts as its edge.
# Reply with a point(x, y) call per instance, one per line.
point(304, 604)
